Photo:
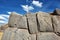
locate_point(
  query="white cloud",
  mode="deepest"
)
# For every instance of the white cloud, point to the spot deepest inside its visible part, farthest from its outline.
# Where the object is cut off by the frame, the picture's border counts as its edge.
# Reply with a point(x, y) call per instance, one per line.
point(3, 15)
point(4, 18)
point(37, 3)
point(27, 8)
point(9, 12)
point(3, 22)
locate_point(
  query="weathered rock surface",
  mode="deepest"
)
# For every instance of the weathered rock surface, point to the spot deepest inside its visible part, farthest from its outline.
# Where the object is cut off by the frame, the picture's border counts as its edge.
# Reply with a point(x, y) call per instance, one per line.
point(9, 34)
point(22, 23)
point(13, 19)
point(47, 36)
point(32, 22)
point(16, 34)
point(40, 26)
point(17, 20)
point(22, 34)
point(45, 22)
point(33, 36)
point(56, 24)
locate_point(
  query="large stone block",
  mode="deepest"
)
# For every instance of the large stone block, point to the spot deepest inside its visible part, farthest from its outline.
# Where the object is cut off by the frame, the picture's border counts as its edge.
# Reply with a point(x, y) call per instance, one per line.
point(56, 24)
point(13, 19)
point(32, 22)
point(22, 23)
point(47, 36)
point(9, 34)
point(22, 34)
point(17, 20)
point(45, 22)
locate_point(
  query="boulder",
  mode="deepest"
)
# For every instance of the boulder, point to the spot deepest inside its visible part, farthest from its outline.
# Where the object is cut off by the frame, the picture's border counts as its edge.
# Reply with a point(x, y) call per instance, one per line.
point(47, 36)
point(32, 23)
point(45, 22)
point(17, 20)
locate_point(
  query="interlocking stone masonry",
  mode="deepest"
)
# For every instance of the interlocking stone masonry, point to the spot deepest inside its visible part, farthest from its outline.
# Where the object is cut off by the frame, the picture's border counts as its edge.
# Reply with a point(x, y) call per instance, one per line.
point(38, 26)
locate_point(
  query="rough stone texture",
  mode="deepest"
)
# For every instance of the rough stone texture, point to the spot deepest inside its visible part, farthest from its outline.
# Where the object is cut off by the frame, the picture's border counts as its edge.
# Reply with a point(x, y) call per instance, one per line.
point(45, 22)
point(33, 27)
point(17, 20)
point(47, 36)
point(33, 36)
point(22, 23)
point(32, 22)
point(13, 19)
point(22, 34)
point(9, 34)
point(56, 24)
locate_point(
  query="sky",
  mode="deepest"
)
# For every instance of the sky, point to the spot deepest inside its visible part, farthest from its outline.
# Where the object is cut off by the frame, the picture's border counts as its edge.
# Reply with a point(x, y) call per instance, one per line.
point(24, 6)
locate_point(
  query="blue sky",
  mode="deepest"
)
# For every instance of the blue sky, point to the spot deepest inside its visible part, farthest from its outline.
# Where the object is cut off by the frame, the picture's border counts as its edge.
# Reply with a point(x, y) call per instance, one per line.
point(23, 6)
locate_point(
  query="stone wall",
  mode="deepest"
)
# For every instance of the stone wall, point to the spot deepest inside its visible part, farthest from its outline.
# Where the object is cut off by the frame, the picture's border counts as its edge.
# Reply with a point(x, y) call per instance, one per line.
point(37, 26)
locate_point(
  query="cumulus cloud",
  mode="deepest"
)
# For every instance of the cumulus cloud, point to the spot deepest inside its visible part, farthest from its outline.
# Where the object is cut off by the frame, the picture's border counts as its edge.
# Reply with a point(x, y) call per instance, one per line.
point(4, 18)
point(37, 3)
point(27, 8)
point(3, 22)
point(9, 12)
point(3, 15)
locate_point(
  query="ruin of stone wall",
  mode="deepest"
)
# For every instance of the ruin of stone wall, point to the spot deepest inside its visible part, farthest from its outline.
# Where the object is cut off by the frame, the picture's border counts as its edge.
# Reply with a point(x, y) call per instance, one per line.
point(37, 26)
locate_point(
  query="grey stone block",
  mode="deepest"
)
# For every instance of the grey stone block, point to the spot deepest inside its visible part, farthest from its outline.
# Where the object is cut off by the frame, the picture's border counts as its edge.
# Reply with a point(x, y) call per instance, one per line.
point(9, 34)
point(22, 23)
point(17, 20)
point(22, 34)
point(45, 22)
point(47, 36)
point(56, 24)
point(32, 22)
point(13, 19)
